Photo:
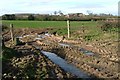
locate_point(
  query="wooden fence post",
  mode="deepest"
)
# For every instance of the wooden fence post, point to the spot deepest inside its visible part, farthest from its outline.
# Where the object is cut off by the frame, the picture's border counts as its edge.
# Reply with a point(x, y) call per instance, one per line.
point(11, 31)
point(68, 28)
point(68, 25)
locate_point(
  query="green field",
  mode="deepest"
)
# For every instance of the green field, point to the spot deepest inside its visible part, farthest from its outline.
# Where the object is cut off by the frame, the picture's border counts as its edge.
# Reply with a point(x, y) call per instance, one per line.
point(92, 27)
point(74, 25)
point(44, 24)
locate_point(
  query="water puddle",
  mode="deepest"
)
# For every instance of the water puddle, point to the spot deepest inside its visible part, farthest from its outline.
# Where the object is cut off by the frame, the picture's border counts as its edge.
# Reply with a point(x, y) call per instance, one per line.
point(86, 51)
point(64, 65)
point(42, 36)
point(38, 39)
point(47, 34)
point(81, 49)
point(62, 44)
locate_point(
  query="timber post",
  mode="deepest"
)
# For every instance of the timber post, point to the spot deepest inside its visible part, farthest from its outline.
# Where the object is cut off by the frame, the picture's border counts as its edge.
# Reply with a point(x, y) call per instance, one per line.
point(11, 31)
point(68, 26)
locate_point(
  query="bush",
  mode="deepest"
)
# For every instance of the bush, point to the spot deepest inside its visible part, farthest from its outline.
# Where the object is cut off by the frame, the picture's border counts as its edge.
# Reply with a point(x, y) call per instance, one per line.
point(31, 17)
point(109, 25)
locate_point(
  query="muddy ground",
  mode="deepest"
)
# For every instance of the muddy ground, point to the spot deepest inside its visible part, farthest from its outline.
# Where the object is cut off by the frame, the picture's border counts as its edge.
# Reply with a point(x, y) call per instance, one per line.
point(104, 65)
point(32, 64)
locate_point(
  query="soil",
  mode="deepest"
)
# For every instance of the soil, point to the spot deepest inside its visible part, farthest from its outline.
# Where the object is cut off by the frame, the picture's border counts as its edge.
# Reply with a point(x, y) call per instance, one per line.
point(104, 65)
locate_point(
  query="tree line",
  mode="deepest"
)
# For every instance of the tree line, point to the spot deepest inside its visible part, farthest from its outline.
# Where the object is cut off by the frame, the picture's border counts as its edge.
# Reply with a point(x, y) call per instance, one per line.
point(52, 17)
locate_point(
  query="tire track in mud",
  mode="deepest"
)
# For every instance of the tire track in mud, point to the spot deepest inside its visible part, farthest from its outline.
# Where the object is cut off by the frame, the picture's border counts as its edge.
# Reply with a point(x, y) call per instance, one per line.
point(100, 67)
point(32, 64)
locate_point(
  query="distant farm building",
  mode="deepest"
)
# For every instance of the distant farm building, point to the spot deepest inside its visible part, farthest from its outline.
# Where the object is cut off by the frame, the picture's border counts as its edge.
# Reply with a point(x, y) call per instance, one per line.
point(112, 19)
point(76, 14)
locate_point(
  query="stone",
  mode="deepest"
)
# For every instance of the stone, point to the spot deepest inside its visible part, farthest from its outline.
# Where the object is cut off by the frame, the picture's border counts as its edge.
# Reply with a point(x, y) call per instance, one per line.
point(4, 74)
point(60, 75)
point(56, 71)
point(14, 77)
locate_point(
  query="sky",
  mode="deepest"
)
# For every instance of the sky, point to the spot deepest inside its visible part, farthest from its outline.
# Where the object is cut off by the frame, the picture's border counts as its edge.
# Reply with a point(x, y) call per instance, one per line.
point(66, 6)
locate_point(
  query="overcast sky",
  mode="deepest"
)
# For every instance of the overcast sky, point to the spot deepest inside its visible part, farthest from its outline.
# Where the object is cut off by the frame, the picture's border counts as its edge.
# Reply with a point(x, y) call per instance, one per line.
point(66, 6)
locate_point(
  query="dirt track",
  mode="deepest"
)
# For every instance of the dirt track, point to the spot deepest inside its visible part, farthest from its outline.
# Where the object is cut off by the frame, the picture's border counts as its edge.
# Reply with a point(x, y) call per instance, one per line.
point(32, 64)
point(106, 66)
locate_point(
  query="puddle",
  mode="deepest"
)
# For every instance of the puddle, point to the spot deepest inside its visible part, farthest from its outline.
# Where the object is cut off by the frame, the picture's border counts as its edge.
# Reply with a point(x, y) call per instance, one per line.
point(47, 34)
point(41, 36)
point(86, 51)
point(64, 65)
point(38, 39)
point(90, 53)
point(62, 44)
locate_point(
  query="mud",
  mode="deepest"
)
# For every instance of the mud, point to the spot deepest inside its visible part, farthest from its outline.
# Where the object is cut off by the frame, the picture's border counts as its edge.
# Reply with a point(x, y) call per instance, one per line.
point(104, 65)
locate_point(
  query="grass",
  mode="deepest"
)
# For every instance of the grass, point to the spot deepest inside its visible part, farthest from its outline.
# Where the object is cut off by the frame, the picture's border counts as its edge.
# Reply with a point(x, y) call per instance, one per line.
point(44, 24)
point(61, 27)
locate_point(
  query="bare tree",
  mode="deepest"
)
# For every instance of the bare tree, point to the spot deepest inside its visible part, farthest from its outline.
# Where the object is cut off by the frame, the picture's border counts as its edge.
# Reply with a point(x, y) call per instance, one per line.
point(60, 12)
point(55, 12)
point(90, 12)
